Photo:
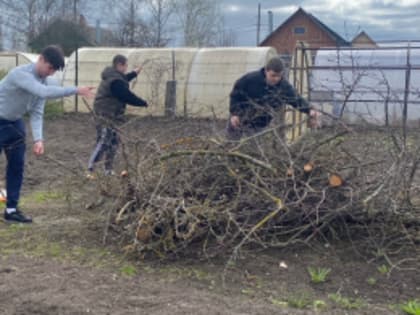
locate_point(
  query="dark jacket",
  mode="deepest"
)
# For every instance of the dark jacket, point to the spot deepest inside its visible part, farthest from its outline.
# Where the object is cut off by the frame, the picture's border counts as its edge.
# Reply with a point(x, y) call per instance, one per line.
point(253, 100)
point(114, 93)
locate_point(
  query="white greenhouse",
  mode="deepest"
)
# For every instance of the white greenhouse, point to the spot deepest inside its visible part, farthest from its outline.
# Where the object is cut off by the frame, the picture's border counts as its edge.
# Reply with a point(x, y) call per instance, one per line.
point(9, 60)
point(204, 76)
point(372, 85)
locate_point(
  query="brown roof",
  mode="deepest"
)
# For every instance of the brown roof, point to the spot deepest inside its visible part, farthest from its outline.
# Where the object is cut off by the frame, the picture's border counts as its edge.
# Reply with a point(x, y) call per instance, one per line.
point(333, 35)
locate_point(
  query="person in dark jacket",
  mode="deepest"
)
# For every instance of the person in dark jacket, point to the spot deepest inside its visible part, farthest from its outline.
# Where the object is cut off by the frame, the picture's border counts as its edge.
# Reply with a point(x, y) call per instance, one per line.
point(257, 95)
point(109, 107)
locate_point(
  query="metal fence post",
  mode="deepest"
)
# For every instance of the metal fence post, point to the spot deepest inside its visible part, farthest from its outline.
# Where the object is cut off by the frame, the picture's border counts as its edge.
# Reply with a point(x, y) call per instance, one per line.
point(170, 95)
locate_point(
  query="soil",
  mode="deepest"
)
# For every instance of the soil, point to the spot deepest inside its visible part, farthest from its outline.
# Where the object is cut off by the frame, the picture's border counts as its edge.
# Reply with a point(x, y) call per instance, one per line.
point(61, 265)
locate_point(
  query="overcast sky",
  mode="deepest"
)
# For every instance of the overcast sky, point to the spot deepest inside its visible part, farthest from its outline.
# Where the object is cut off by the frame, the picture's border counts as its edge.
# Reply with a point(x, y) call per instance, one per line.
point(380, 19)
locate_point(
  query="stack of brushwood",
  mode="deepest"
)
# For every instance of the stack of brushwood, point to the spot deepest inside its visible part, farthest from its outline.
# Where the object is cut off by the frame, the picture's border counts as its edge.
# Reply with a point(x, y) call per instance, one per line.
point(207, 196)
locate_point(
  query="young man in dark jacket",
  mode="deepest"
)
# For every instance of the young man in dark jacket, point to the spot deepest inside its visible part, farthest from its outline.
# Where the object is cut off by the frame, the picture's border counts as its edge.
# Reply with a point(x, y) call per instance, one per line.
point(109, 107)
point(256, 96)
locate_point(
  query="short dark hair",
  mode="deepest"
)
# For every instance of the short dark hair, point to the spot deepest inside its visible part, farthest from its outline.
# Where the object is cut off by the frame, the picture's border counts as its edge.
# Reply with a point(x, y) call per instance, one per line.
point(54, 56)
point(119, 59)
point(275, 64)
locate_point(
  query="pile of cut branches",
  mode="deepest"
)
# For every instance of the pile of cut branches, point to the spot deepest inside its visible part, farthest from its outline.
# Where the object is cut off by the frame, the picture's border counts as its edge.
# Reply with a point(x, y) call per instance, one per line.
point(209, 196)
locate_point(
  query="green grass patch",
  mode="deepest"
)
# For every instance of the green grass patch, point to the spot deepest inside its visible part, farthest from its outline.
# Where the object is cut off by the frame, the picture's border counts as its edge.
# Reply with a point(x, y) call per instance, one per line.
point(41, 197)
point(128, 270)
point(53, 109)
point(300, 301)
point(248, 291)
point(411, 307)
point(371, 281)
point(2, 74)
point(318, 275)
point(383, 269)
point(28, 240)
point(345, 302)
point(278, 302)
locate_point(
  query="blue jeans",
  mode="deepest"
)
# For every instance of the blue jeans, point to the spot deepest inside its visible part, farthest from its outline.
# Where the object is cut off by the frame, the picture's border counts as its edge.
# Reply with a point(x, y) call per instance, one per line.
point(12, 142)
point(107, 141)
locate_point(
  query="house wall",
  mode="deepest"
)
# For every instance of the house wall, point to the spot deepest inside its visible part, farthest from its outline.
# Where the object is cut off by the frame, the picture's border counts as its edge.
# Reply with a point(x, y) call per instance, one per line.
point(363, 42)
point(284, 39)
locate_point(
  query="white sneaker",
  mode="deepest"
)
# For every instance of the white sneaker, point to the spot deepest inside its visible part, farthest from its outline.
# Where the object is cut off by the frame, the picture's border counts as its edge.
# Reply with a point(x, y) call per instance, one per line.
point(90, 175)
point(109, 173)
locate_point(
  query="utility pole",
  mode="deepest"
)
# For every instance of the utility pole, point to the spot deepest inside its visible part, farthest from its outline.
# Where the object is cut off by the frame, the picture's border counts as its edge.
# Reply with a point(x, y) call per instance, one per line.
point(75, 10)
point(270, 22)
point(258, 23)
point(98, 33)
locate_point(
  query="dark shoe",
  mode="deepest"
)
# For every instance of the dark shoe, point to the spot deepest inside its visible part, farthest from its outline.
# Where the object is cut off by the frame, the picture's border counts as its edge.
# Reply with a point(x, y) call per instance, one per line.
point(17, 216)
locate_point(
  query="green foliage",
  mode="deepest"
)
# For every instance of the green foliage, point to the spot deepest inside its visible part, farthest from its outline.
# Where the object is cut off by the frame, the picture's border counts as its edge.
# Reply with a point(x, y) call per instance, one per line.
point(411, 307)
point(42, 196)
point(128, 270)
point(318, 275)
point(344, 302)
point(319, 304)
point(300, 301)
point(383, 269)
point(2, 74)
point(67, 34)
point(277, 302)
point(371, 281)
point(53, 109)
point(248, 291)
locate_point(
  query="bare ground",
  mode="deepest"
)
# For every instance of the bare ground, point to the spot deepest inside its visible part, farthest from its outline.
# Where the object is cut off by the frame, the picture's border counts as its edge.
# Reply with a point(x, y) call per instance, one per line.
point(60, 264)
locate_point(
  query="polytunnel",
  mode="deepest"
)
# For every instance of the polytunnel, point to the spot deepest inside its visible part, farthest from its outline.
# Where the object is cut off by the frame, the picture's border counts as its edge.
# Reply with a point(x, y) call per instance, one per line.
point(84, 68)
point(213, 73)
point(204, 76)
point(368, 85)
point(9, 60)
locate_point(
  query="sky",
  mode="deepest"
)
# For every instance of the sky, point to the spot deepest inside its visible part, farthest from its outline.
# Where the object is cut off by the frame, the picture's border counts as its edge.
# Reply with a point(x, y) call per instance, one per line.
point(381, 19)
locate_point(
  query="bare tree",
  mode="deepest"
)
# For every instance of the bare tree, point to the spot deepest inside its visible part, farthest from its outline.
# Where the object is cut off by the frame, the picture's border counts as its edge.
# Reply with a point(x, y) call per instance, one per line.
point(225, 37)
point(26, 18)
point(130, 29)
point(1, 34)
point(160, 14)
point(142, 23)
point(199, 21)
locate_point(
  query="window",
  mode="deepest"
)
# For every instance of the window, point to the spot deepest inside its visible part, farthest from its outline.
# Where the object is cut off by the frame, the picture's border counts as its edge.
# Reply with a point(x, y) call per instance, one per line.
point(299, 30)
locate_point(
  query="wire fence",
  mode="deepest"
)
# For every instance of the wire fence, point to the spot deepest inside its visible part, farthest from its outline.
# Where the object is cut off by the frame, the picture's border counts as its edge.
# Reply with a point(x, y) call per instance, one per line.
point(376, 85)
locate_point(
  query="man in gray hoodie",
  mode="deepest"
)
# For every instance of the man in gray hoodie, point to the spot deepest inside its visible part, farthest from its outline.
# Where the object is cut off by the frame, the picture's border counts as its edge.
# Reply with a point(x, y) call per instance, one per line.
point(24, 90)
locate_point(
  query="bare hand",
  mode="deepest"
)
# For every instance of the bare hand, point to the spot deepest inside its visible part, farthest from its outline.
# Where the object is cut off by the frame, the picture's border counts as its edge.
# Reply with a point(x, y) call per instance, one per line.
point(235, 121)
point(38, 148)
point(314, 119)
point(138, 69)
point(86, 91)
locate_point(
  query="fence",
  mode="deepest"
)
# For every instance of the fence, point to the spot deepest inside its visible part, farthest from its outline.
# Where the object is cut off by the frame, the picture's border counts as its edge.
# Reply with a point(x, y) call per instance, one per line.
point(374, 85)
point(200, 80)
point(9, 60)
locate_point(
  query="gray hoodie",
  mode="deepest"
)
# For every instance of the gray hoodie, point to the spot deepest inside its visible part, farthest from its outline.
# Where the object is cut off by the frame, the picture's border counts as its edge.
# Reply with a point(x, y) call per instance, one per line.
point(22, 91)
